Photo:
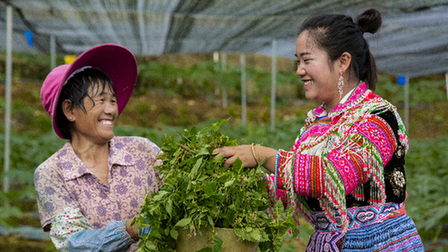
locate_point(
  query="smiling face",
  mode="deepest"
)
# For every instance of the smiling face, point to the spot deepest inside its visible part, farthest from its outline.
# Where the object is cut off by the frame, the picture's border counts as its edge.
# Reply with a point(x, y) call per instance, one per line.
point(96, 123)
point(318, 73)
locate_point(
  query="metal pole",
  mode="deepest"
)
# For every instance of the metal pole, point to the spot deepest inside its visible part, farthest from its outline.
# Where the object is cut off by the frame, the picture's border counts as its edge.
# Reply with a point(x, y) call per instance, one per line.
point(53, 51)
point(273, 79)
point(215, 60)
point(8, 95)
point(52, 66)
point(141, 26)
point(406, 104)
point(243, 90)
point(446, 80)
point(225, 101)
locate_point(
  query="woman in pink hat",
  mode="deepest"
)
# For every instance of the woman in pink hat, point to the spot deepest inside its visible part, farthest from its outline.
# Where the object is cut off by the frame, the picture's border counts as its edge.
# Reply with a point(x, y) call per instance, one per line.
point(89, 191)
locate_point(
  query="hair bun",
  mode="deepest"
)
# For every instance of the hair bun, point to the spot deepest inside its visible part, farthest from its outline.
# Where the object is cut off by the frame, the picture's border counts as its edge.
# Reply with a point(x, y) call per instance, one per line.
point(369, 21)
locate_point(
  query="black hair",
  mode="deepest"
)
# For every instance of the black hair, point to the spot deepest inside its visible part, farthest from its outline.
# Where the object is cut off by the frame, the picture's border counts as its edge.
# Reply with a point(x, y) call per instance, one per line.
point(337, 33)
point(76, 89)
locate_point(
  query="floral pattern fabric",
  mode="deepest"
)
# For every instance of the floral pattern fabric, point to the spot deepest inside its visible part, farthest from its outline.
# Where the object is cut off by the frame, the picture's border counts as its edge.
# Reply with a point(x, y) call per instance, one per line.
point(65, 224)
point(64, 182)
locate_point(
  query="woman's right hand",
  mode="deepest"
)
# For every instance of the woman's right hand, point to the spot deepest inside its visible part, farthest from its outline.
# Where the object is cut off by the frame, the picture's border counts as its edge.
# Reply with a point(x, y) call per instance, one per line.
point(132, 230)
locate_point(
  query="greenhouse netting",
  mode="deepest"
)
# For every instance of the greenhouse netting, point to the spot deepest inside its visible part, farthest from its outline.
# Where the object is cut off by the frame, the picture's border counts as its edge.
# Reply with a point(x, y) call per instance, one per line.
point(413, 40)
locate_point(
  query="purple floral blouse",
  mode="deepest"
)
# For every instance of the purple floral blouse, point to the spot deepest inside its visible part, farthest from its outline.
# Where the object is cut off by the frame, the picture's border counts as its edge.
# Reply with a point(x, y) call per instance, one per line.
point(63, 182)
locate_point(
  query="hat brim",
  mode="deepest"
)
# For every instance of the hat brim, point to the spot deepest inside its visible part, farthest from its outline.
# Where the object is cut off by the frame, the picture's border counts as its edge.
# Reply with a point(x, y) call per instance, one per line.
point(115, 61)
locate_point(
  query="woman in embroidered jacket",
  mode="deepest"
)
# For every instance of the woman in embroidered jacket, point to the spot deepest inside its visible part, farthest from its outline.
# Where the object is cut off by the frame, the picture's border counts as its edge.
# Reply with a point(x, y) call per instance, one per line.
point(89, 191)
point(345, 172)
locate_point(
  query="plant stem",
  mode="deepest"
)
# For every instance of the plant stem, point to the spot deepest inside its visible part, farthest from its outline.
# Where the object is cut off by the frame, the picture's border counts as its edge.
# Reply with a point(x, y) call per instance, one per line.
point(187, 148)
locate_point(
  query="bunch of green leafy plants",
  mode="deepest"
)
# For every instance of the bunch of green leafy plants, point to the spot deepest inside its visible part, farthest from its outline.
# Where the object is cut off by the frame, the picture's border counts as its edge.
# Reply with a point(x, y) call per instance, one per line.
point(198, 191)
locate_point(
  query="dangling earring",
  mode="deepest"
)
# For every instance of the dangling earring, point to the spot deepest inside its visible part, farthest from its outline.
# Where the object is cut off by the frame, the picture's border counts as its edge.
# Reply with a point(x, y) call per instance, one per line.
point(341, 85)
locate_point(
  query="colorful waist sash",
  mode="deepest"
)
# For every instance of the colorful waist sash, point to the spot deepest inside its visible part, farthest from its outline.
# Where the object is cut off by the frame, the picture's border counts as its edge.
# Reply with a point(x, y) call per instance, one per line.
point(358, 216)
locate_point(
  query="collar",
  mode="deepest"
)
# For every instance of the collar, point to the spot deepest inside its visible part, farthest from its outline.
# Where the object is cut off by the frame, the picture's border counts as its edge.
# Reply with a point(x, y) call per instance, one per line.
point(348, 99)
point(72, 166)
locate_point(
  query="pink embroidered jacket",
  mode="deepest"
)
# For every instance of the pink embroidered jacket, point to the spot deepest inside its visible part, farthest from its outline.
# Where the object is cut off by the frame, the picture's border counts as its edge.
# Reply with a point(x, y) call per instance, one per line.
point(339, 159)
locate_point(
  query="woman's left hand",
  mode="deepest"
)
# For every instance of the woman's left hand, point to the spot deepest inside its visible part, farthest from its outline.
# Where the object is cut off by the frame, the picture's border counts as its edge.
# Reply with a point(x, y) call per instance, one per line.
point(250, 155)
point(244, 152)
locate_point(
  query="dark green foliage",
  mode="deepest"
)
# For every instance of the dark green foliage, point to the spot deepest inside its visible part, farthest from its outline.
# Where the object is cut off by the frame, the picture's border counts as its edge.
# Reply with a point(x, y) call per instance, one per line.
point(205, 78)
point(29, 66)
point(186, 82)
point(198, 191)
point(421, 91)
point(26, 154)
point(427, 176)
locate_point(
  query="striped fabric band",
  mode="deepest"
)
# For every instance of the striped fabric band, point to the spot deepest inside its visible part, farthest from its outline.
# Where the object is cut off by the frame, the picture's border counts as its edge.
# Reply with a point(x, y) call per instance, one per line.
point(358, 216)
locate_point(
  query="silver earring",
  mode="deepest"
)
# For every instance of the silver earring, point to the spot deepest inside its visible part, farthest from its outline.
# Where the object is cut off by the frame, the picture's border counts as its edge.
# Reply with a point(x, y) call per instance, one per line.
point(341, 85)
point(71, 118)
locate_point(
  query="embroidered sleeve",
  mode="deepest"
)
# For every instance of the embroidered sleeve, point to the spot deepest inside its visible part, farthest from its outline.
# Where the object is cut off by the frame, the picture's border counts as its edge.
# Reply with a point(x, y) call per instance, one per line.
point(273, 191)
point(301, 172)
point(70, 231)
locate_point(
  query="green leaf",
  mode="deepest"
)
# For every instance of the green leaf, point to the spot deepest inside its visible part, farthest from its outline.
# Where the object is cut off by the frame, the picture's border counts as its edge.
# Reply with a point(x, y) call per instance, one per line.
point(237, 166)
point(203, 151)
point(169, 206)
point(229, 183)
point(217, 244)
point(174, 233)
point(183, 222)
point(255, 234)
point(239, 232)
point(149, 245)
point(210, 221)
point(195, 170)
point(278, 209)
point(159, 195)
point(203, 177)
point(209, 188)
point(218, 158)
point(224, 177)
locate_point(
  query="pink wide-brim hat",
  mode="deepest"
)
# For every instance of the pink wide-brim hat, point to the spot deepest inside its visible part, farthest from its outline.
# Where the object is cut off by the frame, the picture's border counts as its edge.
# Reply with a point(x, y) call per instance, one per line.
point(115, 61)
